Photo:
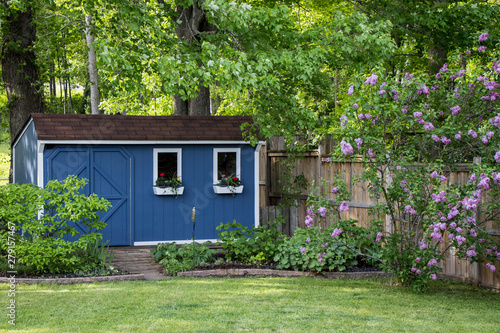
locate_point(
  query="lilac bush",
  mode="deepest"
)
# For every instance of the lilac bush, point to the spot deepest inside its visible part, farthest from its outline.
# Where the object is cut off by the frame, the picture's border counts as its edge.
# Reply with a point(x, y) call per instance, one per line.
point(412, 132)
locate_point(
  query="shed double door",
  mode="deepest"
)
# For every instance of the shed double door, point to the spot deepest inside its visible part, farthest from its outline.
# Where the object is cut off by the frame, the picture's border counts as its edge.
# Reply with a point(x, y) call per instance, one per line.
point(108, 170)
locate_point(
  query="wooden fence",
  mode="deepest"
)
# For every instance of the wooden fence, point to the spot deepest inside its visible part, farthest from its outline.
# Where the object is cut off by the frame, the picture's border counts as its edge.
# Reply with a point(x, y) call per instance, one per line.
point(313, 166)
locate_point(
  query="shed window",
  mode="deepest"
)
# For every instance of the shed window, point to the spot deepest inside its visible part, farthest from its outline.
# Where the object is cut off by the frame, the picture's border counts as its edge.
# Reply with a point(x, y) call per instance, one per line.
point(167, 162)
point(226, 163)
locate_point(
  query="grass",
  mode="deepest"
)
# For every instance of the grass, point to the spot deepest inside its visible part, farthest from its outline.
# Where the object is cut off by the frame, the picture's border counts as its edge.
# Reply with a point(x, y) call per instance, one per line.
point(251, 305)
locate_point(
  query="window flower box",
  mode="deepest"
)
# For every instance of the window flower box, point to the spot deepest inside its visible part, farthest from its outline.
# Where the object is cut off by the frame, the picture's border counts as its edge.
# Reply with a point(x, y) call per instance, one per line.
point(225, 189)
point(165, 190)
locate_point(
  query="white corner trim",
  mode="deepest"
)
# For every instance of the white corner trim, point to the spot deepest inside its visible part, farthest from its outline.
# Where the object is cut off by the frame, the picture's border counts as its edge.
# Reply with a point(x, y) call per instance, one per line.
point(149, 243)
point(22, 133)
point(39, 161)
point(257, 183)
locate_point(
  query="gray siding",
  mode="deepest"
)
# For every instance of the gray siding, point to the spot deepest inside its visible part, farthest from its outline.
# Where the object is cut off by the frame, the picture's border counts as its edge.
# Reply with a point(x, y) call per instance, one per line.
point(25, 161)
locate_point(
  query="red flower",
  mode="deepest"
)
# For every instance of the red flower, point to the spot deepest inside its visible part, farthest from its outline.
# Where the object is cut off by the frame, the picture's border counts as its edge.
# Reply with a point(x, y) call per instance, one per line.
point(235, 179)
point(162, 175)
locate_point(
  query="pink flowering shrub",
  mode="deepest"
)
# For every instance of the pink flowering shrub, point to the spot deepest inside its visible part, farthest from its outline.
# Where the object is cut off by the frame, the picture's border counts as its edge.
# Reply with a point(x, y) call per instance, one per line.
point(414, 138)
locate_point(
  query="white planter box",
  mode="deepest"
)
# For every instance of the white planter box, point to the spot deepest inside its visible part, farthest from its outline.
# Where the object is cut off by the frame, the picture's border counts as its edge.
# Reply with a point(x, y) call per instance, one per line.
point(168, 190)
point(228, 189)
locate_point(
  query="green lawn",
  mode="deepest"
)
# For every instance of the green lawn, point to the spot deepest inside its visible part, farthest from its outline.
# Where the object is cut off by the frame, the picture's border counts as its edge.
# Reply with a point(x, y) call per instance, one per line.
point(251, 305)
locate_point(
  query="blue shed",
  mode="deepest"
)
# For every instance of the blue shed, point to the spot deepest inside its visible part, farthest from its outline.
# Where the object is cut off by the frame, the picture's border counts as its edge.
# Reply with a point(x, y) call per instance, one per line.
point(122, 156)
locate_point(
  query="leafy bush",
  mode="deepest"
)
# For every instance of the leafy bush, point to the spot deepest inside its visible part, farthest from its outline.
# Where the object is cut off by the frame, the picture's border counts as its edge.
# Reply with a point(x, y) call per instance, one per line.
point(258, 245)
point(176, 258)
point(314, 249)
point(41, 217)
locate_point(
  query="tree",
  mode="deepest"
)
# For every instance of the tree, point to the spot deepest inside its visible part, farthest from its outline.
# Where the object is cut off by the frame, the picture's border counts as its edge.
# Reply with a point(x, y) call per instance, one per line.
point(20, 72)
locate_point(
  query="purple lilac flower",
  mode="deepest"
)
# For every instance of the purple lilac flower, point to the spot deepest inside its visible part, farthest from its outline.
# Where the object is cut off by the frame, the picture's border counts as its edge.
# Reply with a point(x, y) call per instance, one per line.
point(483, 183)
point(496, 66)
point(308, 240)
point(491, 267)
point(404, 110)
point(460, 240)
point(355, 105)
point(460, 74)
point(438, 75)
point(422, 244)
point(310, 211)
point(359, 141)
point(368, 116)
point(472, 133)
point(343, 206)
point(480, 79)
point(417, 259)
point(444, 69)
point(497, 156)
point(445, 140)
point(434, 174)
point(381, 92)
point(308, 221)
point(346, 148)
point(458, 229)
point(435, 138)
point(322, 211)
point(350, 90)
point(336, 232)
point(372, 79)
point(417, 114)
point(471, 253)
point(455, 110)
point(458, 136)
point(473, 233)
point(470, 203)
point(496, 178)
point(490, 85)
point(483, 37)
point(335, 190)
point(432, 262)
point(303, 249)
point(434, 277)
point(481, 48)
point(443, 178)
point(320, 259)
point(361, 116)
point(343, 120)
point(379, 237)
point(371, 153)
point(410, 210)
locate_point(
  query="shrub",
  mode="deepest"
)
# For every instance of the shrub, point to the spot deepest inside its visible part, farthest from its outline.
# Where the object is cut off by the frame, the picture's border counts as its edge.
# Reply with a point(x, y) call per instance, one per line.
point(42, 217)
point(176, 258)
point(314, 249)
point(259, 244)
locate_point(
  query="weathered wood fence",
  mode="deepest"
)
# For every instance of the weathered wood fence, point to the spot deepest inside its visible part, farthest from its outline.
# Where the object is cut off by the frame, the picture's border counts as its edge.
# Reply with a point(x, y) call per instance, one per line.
point(313, 166)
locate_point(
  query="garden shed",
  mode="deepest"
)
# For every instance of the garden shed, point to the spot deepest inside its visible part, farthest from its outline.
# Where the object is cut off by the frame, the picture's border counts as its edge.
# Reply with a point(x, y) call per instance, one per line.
point(122, 156)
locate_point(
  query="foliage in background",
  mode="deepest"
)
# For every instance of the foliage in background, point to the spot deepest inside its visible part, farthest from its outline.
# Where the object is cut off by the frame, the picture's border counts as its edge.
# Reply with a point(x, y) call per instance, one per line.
point(178, 258)
point(62, 211)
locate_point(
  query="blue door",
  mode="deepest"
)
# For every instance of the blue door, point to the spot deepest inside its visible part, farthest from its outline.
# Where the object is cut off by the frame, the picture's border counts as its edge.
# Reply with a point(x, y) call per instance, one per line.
point(108, 170)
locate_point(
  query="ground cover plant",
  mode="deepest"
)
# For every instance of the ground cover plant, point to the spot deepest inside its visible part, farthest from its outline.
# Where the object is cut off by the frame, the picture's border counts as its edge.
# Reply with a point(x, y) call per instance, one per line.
point(252, 304)
point(34, 222)
point(411, 131)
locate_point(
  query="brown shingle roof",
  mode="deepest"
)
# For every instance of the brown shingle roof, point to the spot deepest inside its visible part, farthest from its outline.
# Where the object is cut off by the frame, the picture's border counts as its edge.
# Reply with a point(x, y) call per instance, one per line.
point(138, 128)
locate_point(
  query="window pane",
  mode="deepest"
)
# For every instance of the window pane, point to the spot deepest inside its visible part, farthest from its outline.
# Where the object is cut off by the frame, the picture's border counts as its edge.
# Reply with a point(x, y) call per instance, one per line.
point(226, 164)
point(167, 164)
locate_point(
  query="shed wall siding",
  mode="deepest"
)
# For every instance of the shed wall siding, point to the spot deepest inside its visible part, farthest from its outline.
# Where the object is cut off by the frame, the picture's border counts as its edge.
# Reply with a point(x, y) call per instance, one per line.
point(160, 218)
point(25, 159)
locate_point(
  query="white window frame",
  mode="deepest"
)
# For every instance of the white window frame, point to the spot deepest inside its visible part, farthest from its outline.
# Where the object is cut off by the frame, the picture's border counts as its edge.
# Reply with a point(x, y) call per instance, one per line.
point(156, 151)
point(215, 164)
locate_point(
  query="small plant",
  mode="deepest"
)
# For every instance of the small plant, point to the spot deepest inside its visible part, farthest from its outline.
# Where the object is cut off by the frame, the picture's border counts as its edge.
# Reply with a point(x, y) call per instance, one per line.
point(173, 182)
point(258, 245)
point(175, 258)
point(231, 180)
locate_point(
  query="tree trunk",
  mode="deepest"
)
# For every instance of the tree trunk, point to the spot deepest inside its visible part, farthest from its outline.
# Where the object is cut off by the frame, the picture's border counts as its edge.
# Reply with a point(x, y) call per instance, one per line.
point(93, 74)
point(193, 24)
point(20, 73)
